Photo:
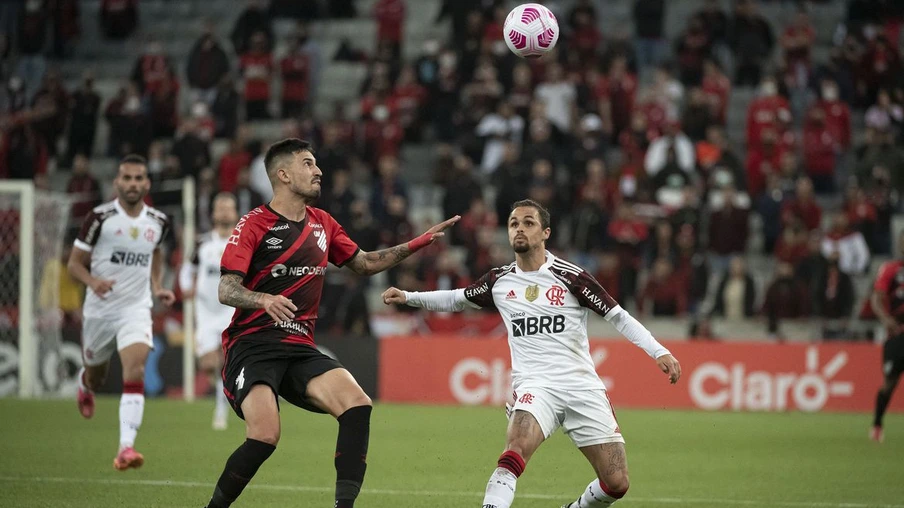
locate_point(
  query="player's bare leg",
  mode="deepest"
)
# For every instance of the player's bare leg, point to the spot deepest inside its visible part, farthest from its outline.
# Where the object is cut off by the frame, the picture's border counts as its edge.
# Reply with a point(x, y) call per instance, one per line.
point(522, 439)
point(337, 393)
point(131, 405)
point(882, 400)
point(611, 465)
point(211, 363)
point(90, 379)
point(261, 436)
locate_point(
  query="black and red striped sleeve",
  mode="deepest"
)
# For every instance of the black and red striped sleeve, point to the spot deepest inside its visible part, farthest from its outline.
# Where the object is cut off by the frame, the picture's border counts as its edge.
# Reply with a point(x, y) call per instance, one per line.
point(240, 247)
point(342, 249)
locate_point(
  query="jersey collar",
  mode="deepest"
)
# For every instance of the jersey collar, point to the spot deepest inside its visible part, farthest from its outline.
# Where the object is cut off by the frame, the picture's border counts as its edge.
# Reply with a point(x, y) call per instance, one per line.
point(120, 209)
point(549, 259)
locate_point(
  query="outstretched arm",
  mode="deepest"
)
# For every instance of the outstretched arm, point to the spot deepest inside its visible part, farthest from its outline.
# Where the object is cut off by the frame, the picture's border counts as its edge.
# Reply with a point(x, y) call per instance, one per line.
point(638, 334)
point(440, 301)
point(369, 263)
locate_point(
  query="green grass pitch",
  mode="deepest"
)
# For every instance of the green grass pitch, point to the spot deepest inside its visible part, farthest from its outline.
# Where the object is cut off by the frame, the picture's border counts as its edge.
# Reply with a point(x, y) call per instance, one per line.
point(440, 457)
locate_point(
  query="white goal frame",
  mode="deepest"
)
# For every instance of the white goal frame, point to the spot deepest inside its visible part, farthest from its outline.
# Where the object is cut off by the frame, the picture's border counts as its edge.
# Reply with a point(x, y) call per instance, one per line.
point(189, 232)
point(28, 340)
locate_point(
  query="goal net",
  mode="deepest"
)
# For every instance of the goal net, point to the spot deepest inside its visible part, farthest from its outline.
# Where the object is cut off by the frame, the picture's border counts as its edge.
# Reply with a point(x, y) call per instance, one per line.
point(34, 358)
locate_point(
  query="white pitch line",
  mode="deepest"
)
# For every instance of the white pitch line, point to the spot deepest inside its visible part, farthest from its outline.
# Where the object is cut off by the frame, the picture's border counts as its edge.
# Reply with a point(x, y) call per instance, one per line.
point(445, 493)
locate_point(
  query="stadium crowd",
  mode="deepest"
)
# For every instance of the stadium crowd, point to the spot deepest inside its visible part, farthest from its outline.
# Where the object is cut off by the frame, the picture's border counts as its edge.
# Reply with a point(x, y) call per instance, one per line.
point(624, 136)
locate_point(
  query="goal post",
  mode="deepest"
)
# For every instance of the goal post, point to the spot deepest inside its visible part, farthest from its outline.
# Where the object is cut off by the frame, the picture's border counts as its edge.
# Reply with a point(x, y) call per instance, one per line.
point(189, 234)
point(33, 225)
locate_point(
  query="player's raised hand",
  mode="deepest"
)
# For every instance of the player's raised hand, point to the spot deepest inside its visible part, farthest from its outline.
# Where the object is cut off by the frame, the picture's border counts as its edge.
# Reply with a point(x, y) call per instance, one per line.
point(165, 296)
point(280, 308)
point(394, 296)
point(101, 287)
point(669, 365)
point(437, 230)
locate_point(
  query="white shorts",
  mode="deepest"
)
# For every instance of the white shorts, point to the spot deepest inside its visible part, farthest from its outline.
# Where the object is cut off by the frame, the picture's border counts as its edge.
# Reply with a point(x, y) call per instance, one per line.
point(586, 416)
point(102, 336)
point(208, 339)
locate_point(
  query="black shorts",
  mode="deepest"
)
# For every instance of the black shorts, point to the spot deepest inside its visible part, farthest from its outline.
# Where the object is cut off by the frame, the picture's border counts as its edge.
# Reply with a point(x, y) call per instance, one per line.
point(893, 356)
point(285, 368)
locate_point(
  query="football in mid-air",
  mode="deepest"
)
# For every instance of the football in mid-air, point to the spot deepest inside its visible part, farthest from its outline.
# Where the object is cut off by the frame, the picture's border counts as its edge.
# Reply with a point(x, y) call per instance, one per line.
point(531, 30)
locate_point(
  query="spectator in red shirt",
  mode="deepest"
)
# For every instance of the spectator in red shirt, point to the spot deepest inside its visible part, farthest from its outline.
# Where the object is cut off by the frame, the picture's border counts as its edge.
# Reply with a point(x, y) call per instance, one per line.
point(616, 93)
point(84, 189)
point(628, 233)
point(820, 152)
point(797, 41)
point(837, 113)
point(717, 87)
point(207, 64)
point(257, 70)
point(585, 37)
point(762, 160)
point(728, 224)
point(665, 293)
point(152, 68)
point(232, 162)
point(802, 208)
point(165, 107)
point(408, 98)
point(66, 26)
point(607, 274)
point(295, 68)
point(692, 48)
point(768, 111)
point(862, 215)
point(880, 67)
point(390, 16)
point(792, 246)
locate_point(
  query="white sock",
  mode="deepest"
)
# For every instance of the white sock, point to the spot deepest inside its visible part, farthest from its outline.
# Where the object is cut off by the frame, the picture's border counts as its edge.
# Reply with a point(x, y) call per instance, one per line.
point(594, 497)
point(131, 412)
point(500, 489)
point(81, 380)
point(222, 405)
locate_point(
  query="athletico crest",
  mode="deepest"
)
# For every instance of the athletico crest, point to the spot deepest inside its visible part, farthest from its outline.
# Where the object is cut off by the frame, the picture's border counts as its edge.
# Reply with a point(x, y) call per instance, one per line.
point(133, 232)
point(532, 292)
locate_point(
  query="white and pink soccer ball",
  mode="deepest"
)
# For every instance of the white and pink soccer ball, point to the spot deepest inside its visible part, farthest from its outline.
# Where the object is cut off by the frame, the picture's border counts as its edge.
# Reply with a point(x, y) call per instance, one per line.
point(530, 30)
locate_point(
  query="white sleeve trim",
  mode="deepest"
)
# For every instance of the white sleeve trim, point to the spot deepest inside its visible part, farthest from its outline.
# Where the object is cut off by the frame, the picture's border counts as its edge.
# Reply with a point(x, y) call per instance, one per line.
point(441, 301)
point(80, 245)
point(637, 333)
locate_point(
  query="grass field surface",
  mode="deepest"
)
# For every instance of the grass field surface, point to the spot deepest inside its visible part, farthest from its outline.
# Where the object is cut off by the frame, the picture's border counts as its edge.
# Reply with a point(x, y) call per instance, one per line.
point(441, 457)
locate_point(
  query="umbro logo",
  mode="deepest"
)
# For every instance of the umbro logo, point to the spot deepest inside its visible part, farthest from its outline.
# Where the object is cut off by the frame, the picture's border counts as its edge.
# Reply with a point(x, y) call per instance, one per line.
point(273, 241)
point(511, 295)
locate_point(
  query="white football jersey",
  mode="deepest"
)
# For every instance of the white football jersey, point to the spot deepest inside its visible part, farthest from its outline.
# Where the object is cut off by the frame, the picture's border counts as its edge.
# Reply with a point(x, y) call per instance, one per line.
point(545, 313)
point(210, 312)
point(121, 248)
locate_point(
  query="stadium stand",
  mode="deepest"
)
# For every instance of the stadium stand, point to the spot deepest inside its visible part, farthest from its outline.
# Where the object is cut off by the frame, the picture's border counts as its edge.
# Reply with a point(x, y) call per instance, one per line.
point(711, 162)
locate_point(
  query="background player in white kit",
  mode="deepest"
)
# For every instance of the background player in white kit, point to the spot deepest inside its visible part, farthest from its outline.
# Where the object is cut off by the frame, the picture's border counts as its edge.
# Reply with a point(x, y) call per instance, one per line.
point(543, 301)
point(200, 280)
point(117, 256)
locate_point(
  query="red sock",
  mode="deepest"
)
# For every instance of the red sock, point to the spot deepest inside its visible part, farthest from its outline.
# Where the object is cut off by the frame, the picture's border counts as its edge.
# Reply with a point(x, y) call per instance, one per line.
point(513, 462)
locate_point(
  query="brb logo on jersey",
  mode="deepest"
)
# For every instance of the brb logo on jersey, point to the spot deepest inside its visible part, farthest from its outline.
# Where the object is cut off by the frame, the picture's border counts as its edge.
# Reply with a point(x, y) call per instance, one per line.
point(556, 296)
point(126, 258)
point(533, 325)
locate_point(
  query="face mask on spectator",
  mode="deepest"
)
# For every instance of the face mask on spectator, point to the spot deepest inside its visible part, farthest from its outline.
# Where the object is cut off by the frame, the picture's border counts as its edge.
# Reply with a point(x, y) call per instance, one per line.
point(628, 186)
point(33, 5)
point(829, 93)
point(132, 105)
point(768, 89)
point(381, 113)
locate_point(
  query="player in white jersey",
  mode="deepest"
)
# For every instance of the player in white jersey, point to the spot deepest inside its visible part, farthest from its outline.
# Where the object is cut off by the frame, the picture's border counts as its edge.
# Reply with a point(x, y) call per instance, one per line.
point(117, 256)
point(200, 279)
point(544, 302)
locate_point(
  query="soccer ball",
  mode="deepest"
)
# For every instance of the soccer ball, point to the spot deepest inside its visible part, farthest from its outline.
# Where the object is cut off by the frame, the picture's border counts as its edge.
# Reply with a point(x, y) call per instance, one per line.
point(530, 30)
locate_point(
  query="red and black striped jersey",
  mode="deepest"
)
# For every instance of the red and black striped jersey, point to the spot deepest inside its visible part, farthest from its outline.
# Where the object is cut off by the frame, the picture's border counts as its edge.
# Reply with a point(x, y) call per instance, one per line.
point(277, 256)
point(890, 282)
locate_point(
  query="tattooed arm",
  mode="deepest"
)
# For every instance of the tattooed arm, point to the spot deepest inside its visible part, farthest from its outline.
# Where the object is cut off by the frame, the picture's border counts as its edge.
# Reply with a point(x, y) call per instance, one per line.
point(369, 263)
point(231, 292)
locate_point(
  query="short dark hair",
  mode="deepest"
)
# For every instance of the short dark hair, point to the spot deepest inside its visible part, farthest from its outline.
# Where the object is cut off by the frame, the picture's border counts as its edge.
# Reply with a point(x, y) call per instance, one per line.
point(281, 149)
point(543, 212)
point(133, 158)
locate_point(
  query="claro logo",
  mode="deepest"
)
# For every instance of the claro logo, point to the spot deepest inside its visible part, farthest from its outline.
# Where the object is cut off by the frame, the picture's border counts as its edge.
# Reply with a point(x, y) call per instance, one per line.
point(715, 385)
point(477, 381)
